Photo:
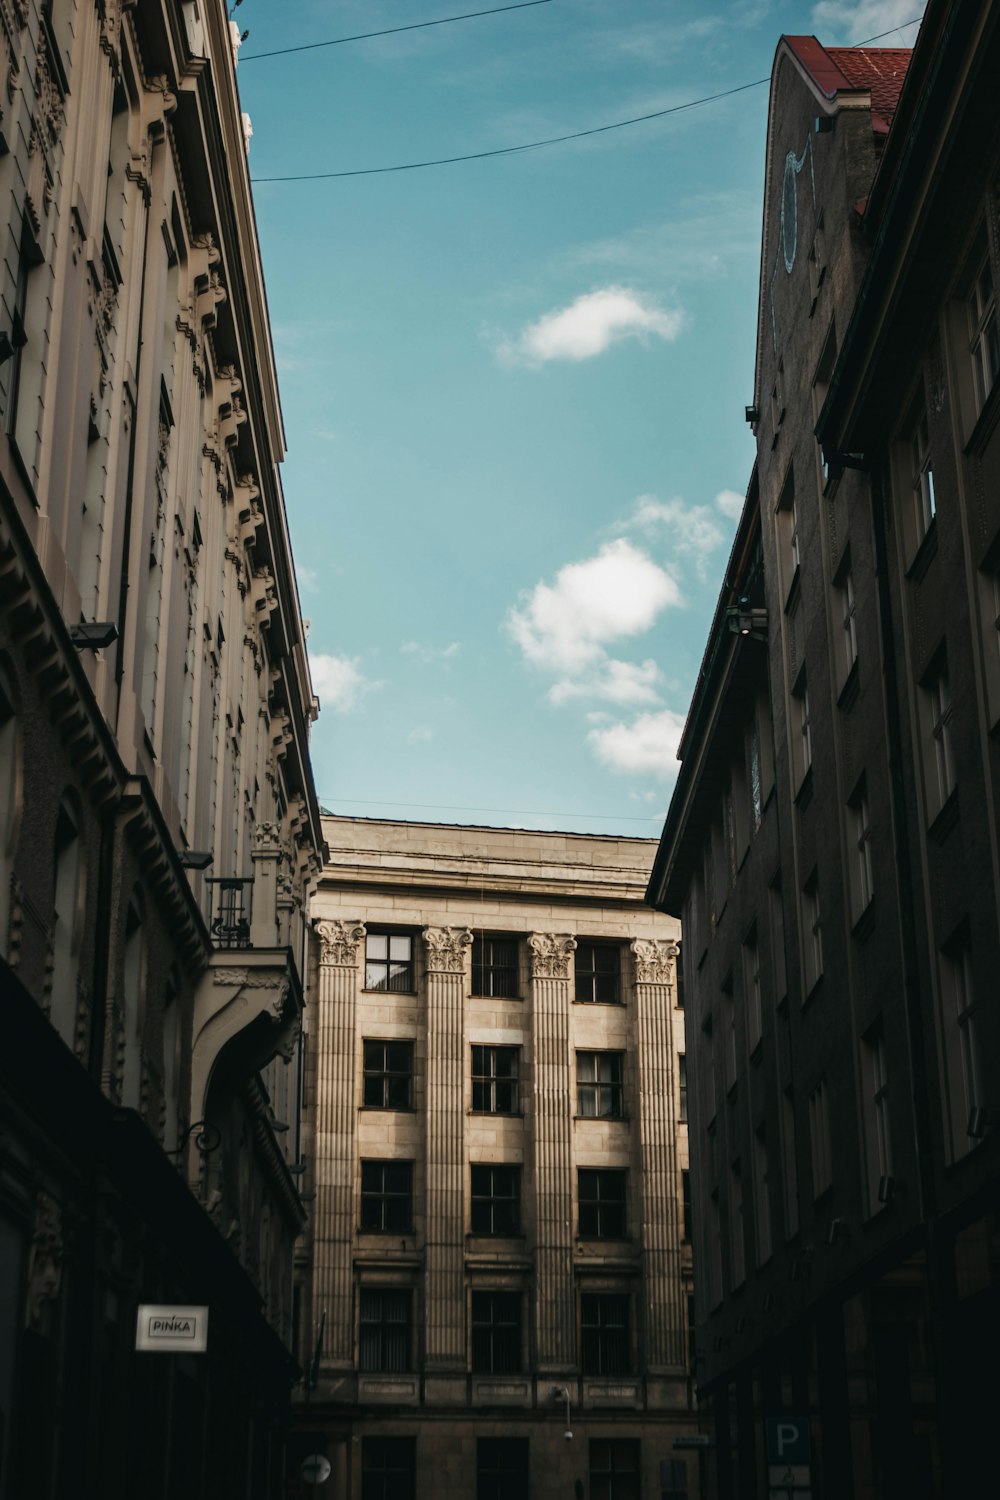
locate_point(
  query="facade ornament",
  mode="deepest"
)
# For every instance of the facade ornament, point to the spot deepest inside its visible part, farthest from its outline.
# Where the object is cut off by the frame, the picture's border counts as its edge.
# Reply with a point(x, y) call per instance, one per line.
point(277, 1008)
point(446, 949)
point(44, 1260)
point(160, 84)
point(266, 839)
point(339, 943)
point(655, 960)
point(550, 954)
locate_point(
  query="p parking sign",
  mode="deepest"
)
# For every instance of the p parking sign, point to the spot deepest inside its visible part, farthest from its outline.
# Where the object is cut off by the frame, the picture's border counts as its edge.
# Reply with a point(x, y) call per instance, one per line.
point(788, 1440)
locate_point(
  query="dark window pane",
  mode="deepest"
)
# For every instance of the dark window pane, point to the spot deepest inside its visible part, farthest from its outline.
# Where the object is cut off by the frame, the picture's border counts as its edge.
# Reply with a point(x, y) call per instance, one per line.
point(388, 1069)
point(389, 962)
point(388, 1468)
point(387, 1196)
point(502, 1469)
point(385, 1330)
point(597, 968)
point(496, 1192)
point(494, 967)
point(604, 1325)
point(496, 1332)
point(495, 1080)
point(602, 1196)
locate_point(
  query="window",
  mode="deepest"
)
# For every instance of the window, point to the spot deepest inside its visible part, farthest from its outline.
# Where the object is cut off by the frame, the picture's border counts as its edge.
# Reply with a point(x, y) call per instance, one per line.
point(819, 1139)
point(134, 992)
point(756, 782)
point(736, 1229)
point(877, 1130)
point(821, 384)
point(709, 1064)
point(812, 937)
point(862, 884)
point(801, 731)
point(682, 1087)
point(502, 1469)
point(729, 1014)
point(787, 525)
point(923, 506)
point(495, 1080)
point(496, 1333)
point(171, 1063)
point(494, 967)
point(387, 1197)
point(679, 978)
point(66, 921)
point(614, 1469)
point(388, 1468)
point(389, 962)
point(10, 798)
point(776, 916)
point(599, 1085)
point(817, 262)
point(939, 754)
point(385, 1343)
point(778, 398)
point(604, 1325)
point(692, 1325)
point(602, 1203)
point(388, 1075)
point(789, 1167)
point(751, 987)
point(848, 635)
point(762, 1198)
point(989, 598)
point(962, 1053)
point(984, 338)
point(598, 973)
point(673, 1479)
point(686, 1203)
point(496, 1199)
point(712, 1257)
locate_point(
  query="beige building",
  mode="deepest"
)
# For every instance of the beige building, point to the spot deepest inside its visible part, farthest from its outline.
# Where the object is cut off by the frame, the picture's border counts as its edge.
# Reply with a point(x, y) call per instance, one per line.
point(494, 1135)
point(158, 823)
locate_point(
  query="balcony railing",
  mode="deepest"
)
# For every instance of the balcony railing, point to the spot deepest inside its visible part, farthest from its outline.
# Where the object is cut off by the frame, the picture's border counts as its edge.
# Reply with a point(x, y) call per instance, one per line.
point(232, 910)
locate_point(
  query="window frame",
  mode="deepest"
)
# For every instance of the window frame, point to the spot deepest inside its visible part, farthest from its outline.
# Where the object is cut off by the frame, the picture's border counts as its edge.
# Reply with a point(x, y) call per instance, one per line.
point(489, 1330)
point(385, 1075)
point(487, 1082)
point(494, 1199)
point(407, 965)
point(380, 1330)
point(485, 965)
point(501, 1480)
point(385, 1197)
point(613, 1087)
point(388, 1480)
point(602, 1214)
point(605, 1345)
point(591, 975)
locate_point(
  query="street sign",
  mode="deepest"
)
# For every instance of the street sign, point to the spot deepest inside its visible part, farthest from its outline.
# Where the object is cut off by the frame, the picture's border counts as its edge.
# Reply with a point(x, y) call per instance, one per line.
point(788, 1476)
point(693, 1440)
point(168, 1329)
point(788, 1440)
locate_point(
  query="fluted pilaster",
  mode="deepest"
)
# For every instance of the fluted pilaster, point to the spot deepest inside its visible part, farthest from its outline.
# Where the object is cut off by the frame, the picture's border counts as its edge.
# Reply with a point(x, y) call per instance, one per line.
point(655, 975)
point(445, 1221)
point(555, 1314)
point(336, 1112)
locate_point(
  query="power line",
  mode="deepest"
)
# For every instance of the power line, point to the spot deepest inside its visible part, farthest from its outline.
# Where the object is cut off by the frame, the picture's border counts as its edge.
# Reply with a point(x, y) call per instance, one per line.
point(555, 140)
point(364, 36)
point(515, 812)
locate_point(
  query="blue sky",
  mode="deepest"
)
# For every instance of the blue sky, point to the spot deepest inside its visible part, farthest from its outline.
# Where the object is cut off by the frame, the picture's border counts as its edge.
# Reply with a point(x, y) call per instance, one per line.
point(513, 388)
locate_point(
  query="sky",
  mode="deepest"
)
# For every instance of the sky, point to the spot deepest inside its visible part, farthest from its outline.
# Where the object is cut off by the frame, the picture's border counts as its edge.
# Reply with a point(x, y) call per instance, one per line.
point(513, 388)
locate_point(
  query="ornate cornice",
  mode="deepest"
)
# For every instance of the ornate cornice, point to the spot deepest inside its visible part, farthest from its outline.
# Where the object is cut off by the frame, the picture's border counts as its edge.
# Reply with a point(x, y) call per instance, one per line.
point(446, 949)
point(550, 954)
point(338, 943)
point(655, 960)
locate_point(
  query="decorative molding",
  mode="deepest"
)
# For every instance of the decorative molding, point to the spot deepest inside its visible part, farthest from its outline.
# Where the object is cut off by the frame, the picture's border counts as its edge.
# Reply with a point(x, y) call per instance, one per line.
point(550, 954)
point(44, 1260)
point(339, 943)
point(655, 960)
point(446, 949)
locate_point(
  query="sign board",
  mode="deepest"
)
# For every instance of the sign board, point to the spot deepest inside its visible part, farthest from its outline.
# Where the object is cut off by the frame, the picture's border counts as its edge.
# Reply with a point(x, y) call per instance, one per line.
point(693, 1440)
point(788, 1440)
point(788, 1476)
point(171, 1330)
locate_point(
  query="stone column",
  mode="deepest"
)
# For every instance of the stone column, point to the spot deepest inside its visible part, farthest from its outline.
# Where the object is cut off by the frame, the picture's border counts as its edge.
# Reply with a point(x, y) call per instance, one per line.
point(552, 1111)
point(444, 1234)
point(666, 1315)
point(336, 1111)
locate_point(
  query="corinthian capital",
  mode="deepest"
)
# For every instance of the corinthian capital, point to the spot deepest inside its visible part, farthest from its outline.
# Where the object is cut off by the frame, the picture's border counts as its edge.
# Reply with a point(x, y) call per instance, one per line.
point(654, 960)
point(446, 949)
point(550, 954)
point(338, 943)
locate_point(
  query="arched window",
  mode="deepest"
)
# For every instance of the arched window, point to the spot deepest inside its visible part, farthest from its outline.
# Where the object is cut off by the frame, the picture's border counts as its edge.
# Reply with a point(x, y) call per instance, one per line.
point(66, 919)
point(10, 797)
point(171, 1064)
point(133, 994)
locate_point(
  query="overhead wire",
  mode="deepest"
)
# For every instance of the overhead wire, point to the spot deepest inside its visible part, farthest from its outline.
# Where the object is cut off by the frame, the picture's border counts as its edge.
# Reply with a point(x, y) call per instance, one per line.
point(555, 140)
point(364, 36)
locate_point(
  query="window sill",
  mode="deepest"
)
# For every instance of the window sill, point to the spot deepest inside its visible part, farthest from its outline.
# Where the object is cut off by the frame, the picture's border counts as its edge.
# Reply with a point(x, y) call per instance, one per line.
point(604, 1119)
point(792, 592)
point(864, 925)
point(403, 994)
point(497, 1114)
point(803, 795)
point(985, 422)
point(813, 990)
point(388, 1109)
point(848, 695)
point(945, 819)
point(476, 996)
point(578, 1001)
point(925, 554)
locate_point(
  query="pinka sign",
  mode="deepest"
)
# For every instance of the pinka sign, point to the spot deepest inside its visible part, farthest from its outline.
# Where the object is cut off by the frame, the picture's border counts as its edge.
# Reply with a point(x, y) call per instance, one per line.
point(171, 1329)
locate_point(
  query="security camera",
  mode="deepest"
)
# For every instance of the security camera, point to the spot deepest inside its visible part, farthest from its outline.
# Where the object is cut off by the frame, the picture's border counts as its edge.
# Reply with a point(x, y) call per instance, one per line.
point(567, 1436)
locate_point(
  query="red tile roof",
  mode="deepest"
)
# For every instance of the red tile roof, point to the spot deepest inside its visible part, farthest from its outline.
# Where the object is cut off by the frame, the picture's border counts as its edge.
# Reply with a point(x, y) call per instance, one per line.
point(880, 70)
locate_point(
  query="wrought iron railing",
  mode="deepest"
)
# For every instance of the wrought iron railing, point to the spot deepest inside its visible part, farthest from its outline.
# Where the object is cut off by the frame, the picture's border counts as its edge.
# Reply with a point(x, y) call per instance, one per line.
point(232, 910)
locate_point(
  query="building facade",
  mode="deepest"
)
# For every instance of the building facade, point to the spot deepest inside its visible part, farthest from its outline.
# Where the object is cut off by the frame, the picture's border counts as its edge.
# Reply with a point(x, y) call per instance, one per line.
point(158, 823)
point(496, 1140)
point(832, 844)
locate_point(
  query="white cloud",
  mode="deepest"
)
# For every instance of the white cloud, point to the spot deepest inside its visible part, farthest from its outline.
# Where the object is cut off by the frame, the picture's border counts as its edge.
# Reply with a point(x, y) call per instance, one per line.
point(308, 577)
point(857, 20)
point(647, 746)
point(427, 654)
point(420, 735)
point(337, 681)
point(730, 502)
point(564, 625)
point(694, 531)
point(590, 325)
point(623, 682)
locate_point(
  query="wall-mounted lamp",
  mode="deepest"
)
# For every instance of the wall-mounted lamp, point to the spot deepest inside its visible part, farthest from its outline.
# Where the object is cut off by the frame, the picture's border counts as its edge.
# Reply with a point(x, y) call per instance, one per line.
point(561, 1393)
point(751, 413)
point(825, 124)
point(194, 859)
point(742, 619)
point(93, 635)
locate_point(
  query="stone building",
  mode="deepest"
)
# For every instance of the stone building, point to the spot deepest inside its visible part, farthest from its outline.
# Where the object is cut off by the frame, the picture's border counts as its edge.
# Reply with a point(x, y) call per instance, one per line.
point(495, 1137)
point(158, 822)
point(832, 845)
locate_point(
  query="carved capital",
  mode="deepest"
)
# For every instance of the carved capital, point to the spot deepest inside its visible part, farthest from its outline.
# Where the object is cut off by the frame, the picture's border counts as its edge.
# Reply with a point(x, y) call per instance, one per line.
point(550, 954)
point(655, 960)
point(446, 949)
point(339, 943)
